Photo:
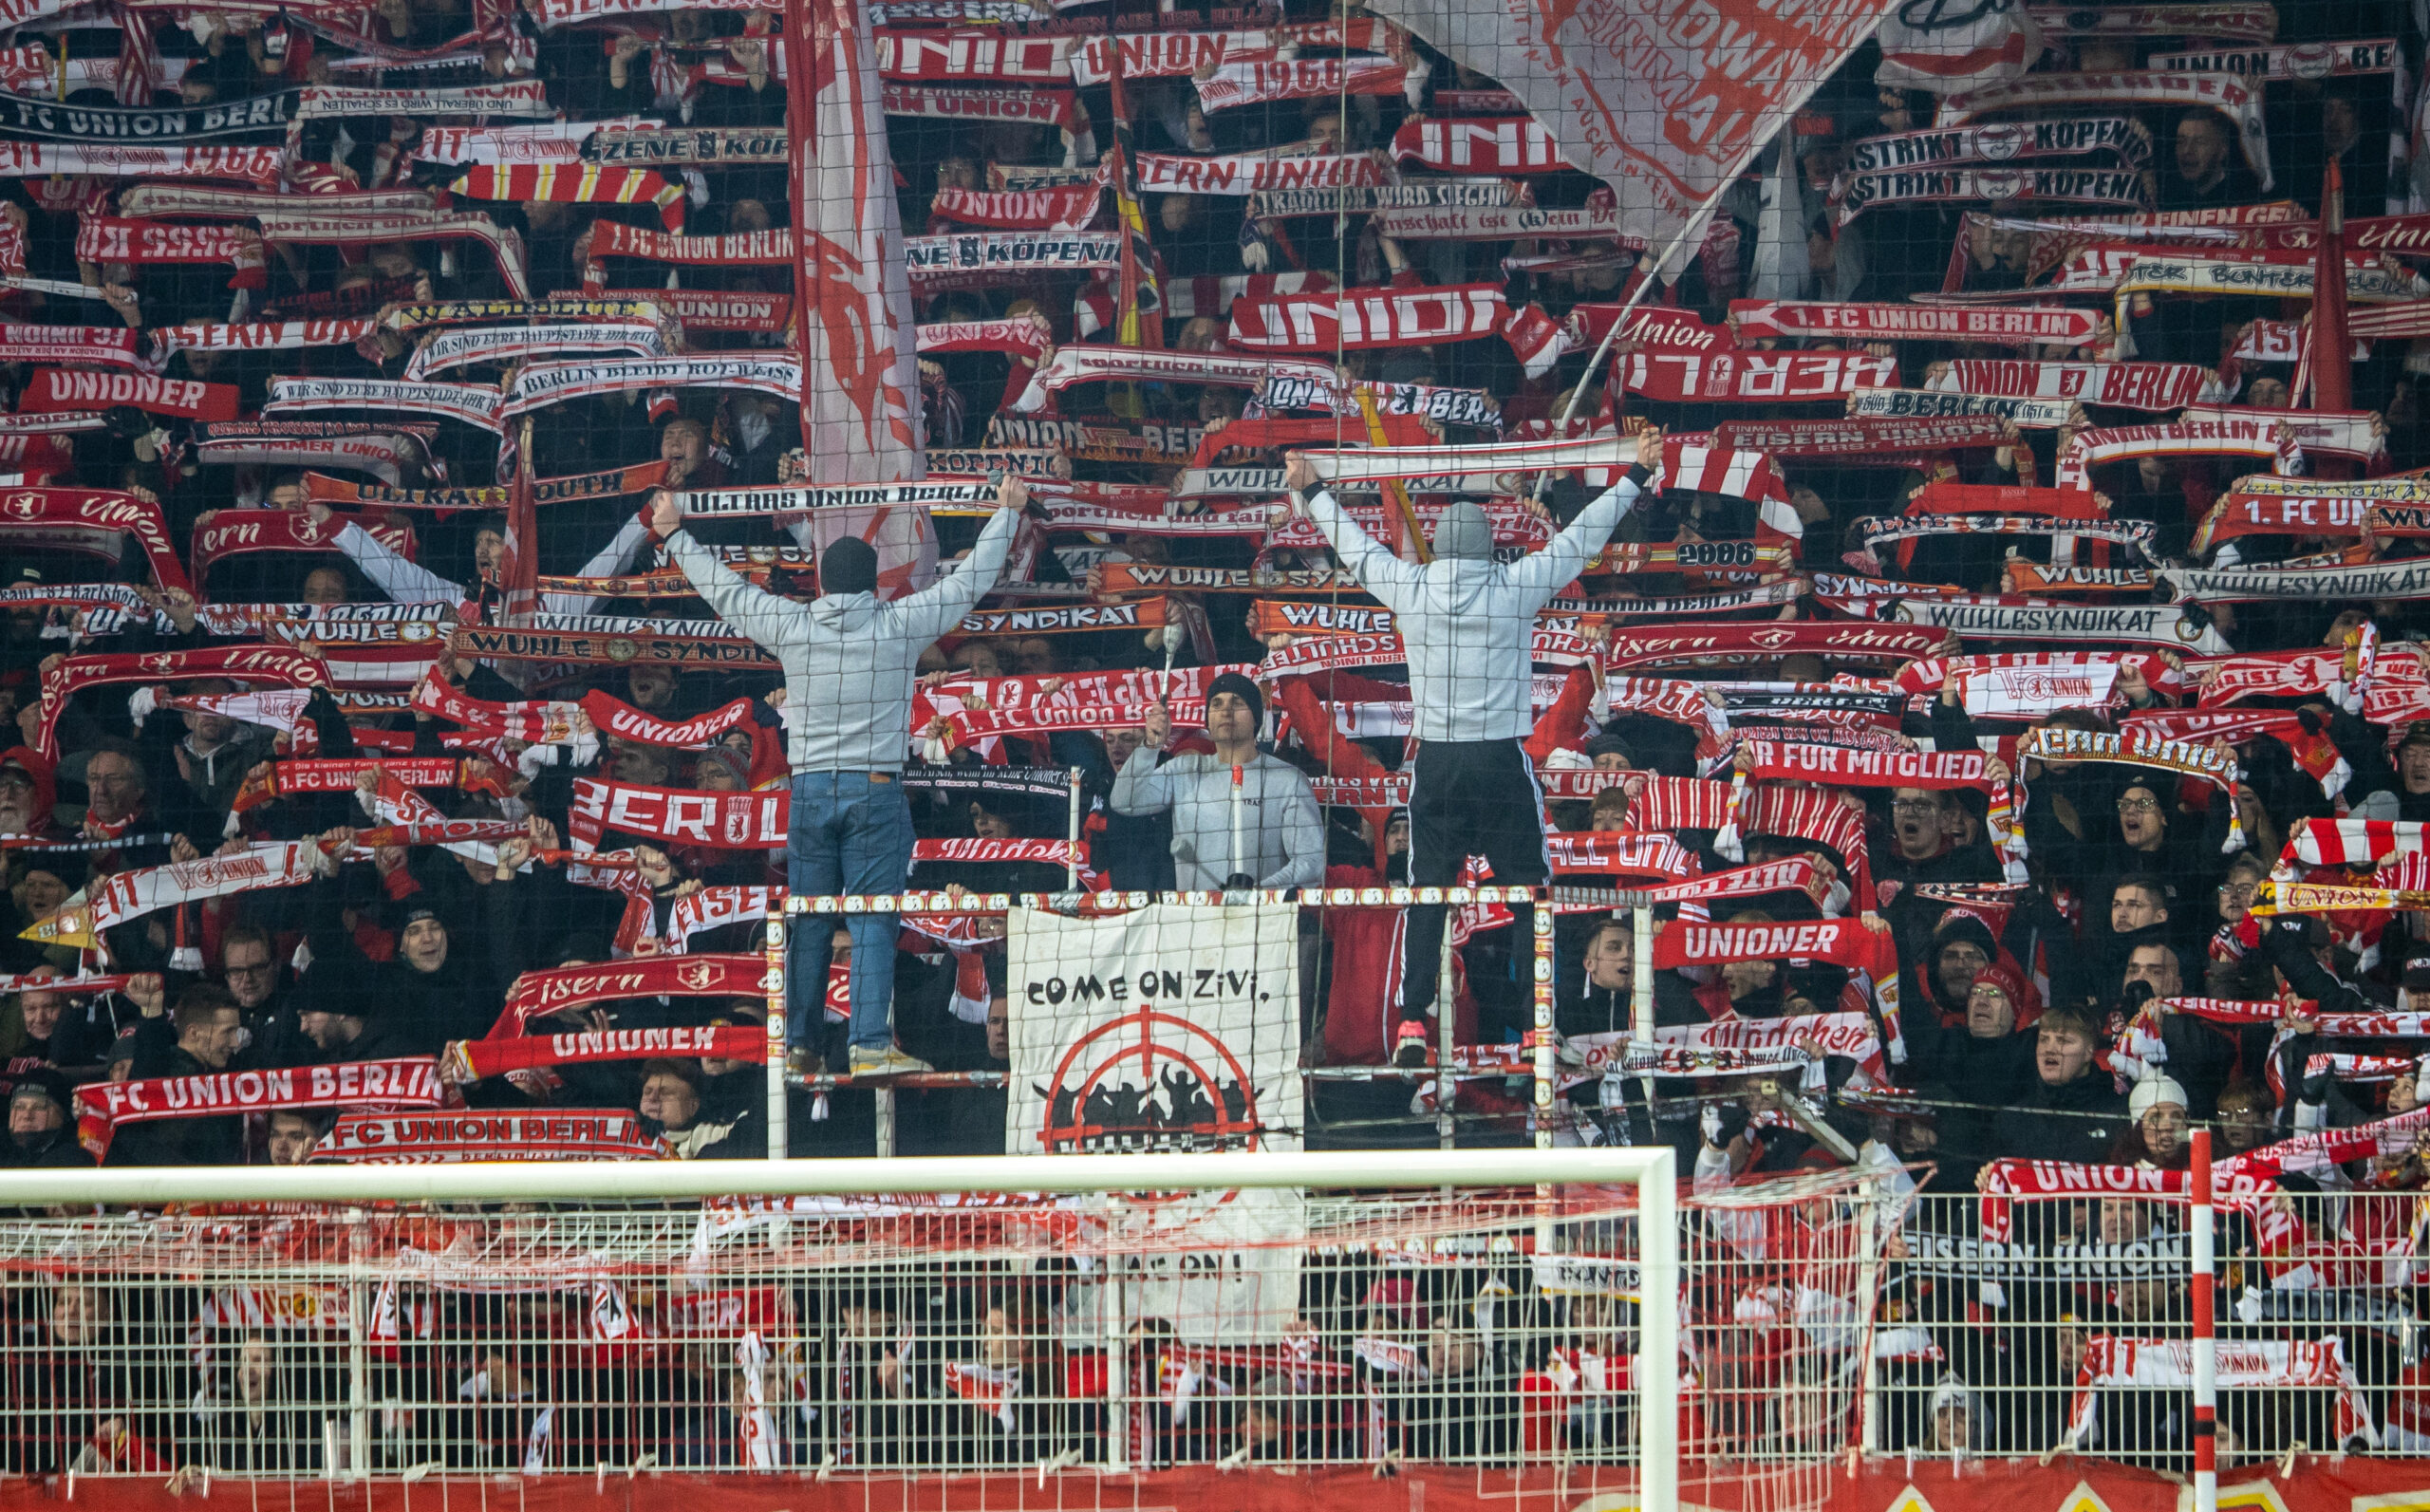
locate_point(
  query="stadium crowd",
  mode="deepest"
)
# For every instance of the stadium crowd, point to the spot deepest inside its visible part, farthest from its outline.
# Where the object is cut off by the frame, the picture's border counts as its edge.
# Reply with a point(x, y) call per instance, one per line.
point(1986, 601)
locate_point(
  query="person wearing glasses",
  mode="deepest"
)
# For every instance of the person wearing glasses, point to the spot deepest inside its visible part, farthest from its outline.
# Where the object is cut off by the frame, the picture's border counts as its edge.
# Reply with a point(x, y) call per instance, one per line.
point(2151, 839)
point(249, 969)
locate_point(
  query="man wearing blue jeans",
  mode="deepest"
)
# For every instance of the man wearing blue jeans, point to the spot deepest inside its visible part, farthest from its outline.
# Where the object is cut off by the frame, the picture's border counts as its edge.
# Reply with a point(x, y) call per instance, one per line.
point(850, 662)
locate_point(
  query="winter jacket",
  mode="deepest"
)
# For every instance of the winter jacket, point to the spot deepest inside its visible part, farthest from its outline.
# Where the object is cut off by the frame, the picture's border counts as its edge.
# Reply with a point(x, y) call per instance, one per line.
point(1283, 842)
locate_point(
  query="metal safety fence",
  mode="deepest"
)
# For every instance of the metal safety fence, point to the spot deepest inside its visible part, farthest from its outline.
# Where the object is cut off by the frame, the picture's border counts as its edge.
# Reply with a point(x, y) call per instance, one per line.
point(1499, 1327)
point(1539, 1119)
point(2069, 1322)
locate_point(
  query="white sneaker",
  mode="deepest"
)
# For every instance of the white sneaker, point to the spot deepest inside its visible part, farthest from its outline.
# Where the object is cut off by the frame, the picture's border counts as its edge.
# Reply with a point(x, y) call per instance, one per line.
point(886, 1062)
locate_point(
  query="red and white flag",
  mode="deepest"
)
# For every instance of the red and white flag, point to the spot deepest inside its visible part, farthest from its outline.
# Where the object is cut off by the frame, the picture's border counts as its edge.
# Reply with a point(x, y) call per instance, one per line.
point(861, 421)
point(1665, 102)
point(1951, 49)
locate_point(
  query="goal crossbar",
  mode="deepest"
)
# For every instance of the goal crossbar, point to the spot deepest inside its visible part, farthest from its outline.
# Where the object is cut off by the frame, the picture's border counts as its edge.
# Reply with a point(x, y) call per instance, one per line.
point(1651, 1171)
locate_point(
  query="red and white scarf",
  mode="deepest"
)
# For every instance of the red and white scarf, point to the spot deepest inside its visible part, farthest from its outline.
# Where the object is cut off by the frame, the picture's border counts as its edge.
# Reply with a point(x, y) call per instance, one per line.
point(1622, 853)
point(1069, 208)
point(1060, 108)
point(1263, 81)
point(971, 55)
point(263, 336)
point(101, 345)
point(51, 390)
point(1507, 146)
point(2034, 685)
point(587, 185)
point(717, 310)
point(1752, 377)
point(470, 1060)
point(750, 249)
point(1258, 173)
point(558, 1133)
point(2313, 750)
point(244, 664)
point(518, 343)
point(2270, 1365)
point(1840, 942)
point(2352, 842)
point(1847, 766)
point(2238, 102)
point(233, 532)
point(102, 1106)
point(2218, 438)
point(1368, 318)
point(722, 821)
point(2056, 744)
point(474, 404)
point(2123, 385)
point(538, 993)
point(1866, 438)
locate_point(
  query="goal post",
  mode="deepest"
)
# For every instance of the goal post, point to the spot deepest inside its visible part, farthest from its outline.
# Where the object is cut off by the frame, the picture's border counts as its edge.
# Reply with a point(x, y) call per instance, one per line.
point(1650, 1171)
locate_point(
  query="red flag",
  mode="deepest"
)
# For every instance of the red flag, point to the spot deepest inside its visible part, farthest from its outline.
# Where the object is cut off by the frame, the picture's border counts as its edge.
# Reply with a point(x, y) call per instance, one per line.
point(2331, 350)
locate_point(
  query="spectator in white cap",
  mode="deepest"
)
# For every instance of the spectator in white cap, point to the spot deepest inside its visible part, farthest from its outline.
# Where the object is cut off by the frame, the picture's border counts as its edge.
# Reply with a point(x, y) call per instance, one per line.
point(2158, 1107)
point(1953, 1428)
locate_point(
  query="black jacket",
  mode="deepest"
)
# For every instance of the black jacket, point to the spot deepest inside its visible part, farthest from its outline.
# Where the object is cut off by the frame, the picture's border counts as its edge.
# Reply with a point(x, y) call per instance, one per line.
point(2076, 1121)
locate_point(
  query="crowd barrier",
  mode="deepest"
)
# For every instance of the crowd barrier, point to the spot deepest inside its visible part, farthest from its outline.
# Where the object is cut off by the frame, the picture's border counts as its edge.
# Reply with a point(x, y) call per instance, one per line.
point(1118, 1313)
point(1536, 1061)
point(1312, 1311)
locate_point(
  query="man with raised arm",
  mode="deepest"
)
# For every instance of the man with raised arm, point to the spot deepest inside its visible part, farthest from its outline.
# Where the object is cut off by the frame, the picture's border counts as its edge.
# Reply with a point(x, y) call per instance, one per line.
point(1467, 623)
point(850, 659)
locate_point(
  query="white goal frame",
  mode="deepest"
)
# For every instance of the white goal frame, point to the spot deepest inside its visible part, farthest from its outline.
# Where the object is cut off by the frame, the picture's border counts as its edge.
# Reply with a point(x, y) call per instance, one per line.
point(1650, 1171)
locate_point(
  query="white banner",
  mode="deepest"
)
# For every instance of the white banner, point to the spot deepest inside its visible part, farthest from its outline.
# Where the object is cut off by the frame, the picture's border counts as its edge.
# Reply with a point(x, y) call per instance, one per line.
point(1171, 1028)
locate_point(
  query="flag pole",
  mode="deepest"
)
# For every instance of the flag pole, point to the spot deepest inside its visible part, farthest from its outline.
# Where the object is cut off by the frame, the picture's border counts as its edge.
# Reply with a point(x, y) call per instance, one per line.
point(1698, 221)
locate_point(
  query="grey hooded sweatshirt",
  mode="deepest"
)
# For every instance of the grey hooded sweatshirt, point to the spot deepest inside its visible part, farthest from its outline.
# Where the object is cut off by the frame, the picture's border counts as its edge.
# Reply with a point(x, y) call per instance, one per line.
point(1467, 620)
point(850, 659)
point(1282, 840)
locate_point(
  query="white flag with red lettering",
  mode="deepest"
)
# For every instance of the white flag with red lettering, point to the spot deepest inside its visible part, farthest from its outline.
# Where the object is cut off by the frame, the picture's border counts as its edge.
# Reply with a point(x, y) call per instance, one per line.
point(1948, 48)
point(861, 415)
point(1664, 101)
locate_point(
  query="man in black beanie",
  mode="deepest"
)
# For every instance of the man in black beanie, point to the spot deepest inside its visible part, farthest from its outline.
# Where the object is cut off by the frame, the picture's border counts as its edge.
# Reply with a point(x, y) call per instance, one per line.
point(850, 659)
point(1241, 818)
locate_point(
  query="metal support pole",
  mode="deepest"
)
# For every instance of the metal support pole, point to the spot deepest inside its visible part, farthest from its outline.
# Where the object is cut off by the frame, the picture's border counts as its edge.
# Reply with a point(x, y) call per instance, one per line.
point(1113, 1319)
point(1543, 1115)
point(358, 1389)
point(882, 1097)
point(1447, 1016)
point(1873, 1199)
point(2206, 1343)
point(1071, 833)
point(1641, 990)
point(779, 1134)
point(1657, 1335)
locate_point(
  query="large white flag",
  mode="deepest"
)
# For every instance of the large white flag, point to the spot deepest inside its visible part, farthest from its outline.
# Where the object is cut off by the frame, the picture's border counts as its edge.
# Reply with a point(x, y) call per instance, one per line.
point(1170, 1028)
point(1666, 101)
point(860, 418)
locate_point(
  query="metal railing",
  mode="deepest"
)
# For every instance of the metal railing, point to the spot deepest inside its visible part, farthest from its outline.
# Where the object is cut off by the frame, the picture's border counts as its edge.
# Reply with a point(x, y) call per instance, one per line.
point(2074, 1325)
point(1445, 1073)
point(442, 1318)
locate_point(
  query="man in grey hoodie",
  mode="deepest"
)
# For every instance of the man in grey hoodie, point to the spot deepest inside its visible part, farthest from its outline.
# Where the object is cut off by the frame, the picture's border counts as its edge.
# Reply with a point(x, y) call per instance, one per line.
point(1241, 818)
point(851, 660)
point(1466, 622)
